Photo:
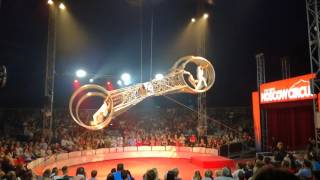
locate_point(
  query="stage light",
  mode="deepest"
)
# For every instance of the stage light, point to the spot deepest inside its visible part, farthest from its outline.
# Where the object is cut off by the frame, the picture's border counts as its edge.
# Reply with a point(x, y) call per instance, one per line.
point(193, 20)
point(159, 76)
point(206, 15)
point(126, 78)
point(76, 81)
point(50, 2)
point(81, 73)
point(91, 80)
point(62, 6)
point(119, 82)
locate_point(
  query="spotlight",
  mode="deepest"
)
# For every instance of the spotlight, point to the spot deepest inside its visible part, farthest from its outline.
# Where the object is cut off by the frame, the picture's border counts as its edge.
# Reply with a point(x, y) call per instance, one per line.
point(62, 6)
point(91, 80)
point(119, 82)
point(159, 76)
point(81, 73)
point(50, 2)
point(193, 20)
point(126, 78)
point(206, 15)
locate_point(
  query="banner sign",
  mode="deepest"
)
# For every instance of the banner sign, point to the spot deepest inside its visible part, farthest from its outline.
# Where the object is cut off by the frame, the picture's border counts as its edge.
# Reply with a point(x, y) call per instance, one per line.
point(292, 89)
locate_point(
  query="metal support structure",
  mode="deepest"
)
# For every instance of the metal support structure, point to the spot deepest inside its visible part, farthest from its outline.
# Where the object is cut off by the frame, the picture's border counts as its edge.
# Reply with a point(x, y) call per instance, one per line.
point(202, 97)
point(285, 67)
point(202, 114)
point(312, 9)
point(50, 69)
point(261, 78)
point(179, 79)
point(261, 74)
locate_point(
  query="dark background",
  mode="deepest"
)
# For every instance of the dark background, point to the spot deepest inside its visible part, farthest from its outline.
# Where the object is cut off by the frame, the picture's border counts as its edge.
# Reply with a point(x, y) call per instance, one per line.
point(105, 39)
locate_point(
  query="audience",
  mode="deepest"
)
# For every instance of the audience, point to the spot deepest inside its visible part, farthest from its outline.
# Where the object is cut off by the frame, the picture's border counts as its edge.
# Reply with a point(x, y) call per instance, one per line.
point(94, 175)
point(208, 175)
point(197, 175)
point(15, 153)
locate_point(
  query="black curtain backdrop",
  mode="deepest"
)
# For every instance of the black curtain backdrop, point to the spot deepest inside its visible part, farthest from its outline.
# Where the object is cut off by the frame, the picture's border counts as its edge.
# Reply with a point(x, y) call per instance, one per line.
point(291, 125)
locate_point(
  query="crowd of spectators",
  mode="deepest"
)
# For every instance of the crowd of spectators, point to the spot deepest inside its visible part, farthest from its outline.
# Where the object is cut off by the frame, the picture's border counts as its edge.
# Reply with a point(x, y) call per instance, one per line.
point(282, 165)
point(16, 152)
point(173, 127)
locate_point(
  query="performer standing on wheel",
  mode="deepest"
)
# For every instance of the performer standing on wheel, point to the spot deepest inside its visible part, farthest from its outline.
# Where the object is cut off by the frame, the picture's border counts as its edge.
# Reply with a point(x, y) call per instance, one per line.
point(201, 81)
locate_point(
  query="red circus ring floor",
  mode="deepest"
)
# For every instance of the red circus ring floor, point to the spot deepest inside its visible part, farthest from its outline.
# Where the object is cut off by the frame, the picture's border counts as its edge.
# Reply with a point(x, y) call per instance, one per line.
point(137, 160)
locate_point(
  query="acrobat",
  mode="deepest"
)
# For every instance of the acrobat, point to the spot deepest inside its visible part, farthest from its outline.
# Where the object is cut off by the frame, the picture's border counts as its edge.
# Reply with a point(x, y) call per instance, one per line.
point(99, 116)
point(201, 81)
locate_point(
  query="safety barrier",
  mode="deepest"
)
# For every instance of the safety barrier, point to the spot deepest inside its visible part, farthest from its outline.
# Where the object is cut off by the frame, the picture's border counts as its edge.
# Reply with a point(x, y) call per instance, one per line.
point(233, 149)
point(87, 156)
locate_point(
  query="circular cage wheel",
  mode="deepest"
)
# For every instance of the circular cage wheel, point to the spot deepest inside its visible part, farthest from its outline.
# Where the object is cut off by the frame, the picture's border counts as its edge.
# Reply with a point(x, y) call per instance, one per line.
point(209, 71)
point(93, 91)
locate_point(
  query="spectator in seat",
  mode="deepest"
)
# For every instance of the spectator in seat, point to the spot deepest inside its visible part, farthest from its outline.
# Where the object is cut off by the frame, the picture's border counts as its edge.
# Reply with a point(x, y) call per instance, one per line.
point(241, 176)
point(65, 175)
point(46, 174)
point(150, 175)
point(21, 171)
point(170, 175)
point(279, 152)
point(314, 160)
point(7, 164)
point(110, 177)
point(125, 175)
point(94, 175)
point(240, 168)
point(11, 175)
point(305, 171)
point(54, 173)
point(270, 173)
point(80, 174)
point(208, 175)
point(117, 174)
point(113, 170)
point(129, 174)
point(225, 174)
point(176, 173)
point(202, 143)
point(286, 165)
point(259, 164)
point(218, 172)
point(197, 175)
point(249, 170)
point(267, 161)
point(2, 174)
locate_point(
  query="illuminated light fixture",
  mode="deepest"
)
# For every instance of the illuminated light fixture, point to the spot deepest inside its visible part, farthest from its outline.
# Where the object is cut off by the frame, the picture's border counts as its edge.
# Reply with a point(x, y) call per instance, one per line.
point(126, 78)
point(50, 2)
point(159, 76)
point(76, 81)
point(193, 20)
point(206, 16)
point(91, 80)
point(62, 6)
point(81, 73)
point(119, 82)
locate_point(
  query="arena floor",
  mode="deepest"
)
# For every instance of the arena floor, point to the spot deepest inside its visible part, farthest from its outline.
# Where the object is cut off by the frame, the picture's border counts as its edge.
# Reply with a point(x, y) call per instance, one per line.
point(138, 166)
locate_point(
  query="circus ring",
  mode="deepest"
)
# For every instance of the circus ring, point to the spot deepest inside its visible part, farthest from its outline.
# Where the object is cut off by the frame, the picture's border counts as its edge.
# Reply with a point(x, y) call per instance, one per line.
point(137, 160)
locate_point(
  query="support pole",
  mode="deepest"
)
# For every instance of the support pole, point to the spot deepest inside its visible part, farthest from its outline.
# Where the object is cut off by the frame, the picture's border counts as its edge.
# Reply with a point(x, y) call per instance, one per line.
point(50, 70)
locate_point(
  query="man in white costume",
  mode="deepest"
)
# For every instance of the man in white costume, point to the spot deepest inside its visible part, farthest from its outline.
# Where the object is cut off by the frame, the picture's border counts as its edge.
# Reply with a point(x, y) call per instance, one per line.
point(201, 81)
